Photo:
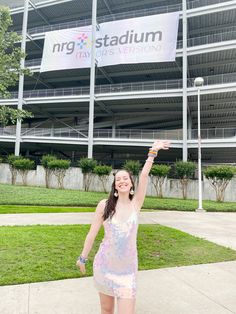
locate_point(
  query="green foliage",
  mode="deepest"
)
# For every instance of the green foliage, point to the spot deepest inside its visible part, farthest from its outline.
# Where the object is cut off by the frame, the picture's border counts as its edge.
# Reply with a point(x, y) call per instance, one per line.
point(87, 165)
point(10, 115)
point(48, 172)
point(11, 158)
point(219, 172)
point(185, 169)
point(103, 173)
point(59, 167)
point(158, 174)
point(133, 166)
point(46, 158)
point(219, 177)
point(160, 170)
point(23, 164)
point(10, 54)
point(102, 170)
point(55, 164)
point(1, 159)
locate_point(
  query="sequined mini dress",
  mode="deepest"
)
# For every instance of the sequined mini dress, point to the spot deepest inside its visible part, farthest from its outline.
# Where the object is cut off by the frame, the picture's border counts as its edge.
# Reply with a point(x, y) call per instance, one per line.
point(115, 264)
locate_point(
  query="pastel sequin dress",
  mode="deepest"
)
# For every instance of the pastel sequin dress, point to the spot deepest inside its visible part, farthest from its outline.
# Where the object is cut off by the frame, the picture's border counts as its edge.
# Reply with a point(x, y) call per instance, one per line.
point(115, 265)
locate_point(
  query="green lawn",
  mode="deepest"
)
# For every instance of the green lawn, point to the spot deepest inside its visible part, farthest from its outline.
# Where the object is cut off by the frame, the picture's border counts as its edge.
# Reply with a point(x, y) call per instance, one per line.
point(20, 209)
point(44, 253)
point(19, 195)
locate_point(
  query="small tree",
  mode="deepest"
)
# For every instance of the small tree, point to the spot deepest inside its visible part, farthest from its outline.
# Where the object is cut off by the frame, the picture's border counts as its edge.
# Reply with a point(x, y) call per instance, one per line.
point(59, 167)
point(184, 170)
point(23, 166)
point(103, 173)
point(219, 177)
point(10, 115)
point(87, 166)
point(48, 172)
point(10, 56)
point(158, 174)
point(133, 166)
point(10, 159)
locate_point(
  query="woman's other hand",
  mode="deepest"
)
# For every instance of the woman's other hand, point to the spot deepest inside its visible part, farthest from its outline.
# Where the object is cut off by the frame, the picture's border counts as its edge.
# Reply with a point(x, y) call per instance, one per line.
point(81, 266)
point(161, 144)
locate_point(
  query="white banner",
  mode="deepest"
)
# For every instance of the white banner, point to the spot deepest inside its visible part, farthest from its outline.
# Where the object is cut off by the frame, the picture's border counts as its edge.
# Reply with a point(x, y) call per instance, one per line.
point(67, 49)
point(137, 40)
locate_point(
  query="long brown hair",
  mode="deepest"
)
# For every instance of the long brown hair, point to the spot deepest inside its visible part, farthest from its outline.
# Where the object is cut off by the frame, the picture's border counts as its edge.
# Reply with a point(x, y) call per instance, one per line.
point(110, 207)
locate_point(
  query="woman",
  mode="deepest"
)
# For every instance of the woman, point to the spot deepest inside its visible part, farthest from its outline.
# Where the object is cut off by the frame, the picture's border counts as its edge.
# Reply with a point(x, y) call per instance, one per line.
point(115, 264)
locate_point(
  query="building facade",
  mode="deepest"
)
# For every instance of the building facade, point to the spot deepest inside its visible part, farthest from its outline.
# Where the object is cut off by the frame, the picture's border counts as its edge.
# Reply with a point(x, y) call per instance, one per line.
point(134, 103)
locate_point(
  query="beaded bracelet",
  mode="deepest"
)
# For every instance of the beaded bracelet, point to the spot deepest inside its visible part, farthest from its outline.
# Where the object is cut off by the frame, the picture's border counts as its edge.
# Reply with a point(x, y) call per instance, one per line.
point(152, 152)
point(82, 259)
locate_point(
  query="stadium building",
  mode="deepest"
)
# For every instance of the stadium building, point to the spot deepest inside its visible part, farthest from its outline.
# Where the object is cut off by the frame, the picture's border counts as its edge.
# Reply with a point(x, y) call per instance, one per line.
point(134, 103)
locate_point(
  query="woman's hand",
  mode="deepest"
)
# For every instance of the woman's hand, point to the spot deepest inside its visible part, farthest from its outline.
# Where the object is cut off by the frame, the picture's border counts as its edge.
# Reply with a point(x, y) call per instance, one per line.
point(159, 144)
point(81, 267)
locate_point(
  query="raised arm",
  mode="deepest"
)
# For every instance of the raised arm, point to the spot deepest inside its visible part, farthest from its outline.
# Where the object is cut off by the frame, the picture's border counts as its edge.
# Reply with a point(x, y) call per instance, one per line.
point(143, 178)
point(93, 231)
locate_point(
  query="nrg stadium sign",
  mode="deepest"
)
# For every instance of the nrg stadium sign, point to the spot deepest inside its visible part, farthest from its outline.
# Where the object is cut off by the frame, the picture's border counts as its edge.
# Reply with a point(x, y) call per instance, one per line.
point(137, 40)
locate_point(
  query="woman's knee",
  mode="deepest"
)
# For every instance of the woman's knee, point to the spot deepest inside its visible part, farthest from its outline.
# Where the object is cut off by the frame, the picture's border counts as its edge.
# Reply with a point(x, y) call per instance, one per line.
point(126, 306)
point(107, 304)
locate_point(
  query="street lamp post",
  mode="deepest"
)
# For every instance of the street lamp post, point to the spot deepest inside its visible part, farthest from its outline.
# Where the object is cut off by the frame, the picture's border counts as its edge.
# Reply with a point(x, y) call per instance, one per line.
point(198, 82)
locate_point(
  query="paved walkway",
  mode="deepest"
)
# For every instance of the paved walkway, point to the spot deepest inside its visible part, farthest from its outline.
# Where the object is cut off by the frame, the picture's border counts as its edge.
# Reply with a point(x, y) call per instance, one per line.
point(197, 289)
point(216, 227)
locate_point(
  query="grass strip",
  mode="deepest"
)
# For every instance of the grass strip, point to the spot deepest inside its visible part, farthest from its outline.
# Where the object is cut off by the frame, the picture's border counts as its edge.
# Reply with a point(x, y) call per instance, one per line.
point(21, 195)
point(45, 253)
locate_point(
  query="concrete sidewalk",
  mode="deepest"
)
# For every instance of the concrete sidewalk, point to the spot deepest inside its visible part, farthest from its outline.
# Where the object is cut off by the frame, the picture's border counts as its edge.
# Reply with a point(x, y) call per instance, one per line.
point(216, 227)
point(199, 289)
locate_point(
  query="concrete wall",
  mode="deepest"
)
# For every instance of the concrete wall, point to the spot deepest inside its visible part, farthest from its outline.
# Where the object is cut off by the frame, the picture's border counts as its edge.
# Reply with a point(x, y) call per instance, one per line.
point(74, 180)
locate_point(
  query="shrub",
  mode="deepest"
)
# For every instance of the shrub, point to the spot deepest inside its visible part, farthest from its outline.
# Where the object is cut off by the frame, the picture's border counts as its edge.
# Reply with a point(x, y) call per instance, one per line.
point(219, 177)
point(87, 166)
point(10, 159)
point(59, 167)
point(134, 167)
point(103, 173)
point(158, 174)
point(48, 172)
point(184, 171)
point(22, 166)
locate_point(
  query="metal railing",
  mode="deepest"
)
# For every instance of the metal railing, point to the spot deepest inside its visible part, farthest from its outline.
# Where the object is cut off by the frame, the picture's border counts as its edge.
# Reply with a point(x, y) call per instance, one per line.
point(98, 133)
point(8, 131)
point(127, 87)
point(203, 3)
point(216, 79)
point(53, 132)
point(99, 89)
point(138, 134)
point(107, 18)
point(216, 133)
point(191, 42)
point(33, 62)
point(124, 15)
point(208, 39)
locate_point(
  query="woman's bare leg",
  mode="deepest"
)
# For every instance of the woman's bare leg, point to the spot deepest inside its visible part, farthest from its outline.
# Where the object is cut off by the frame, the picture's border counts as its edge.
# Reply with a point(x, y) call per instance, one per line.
point(107, 303)
point(126, 306)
